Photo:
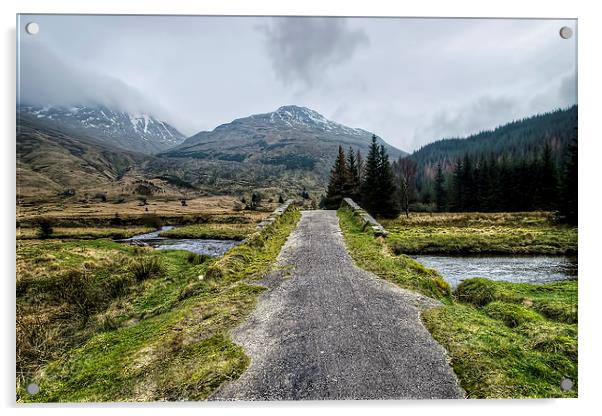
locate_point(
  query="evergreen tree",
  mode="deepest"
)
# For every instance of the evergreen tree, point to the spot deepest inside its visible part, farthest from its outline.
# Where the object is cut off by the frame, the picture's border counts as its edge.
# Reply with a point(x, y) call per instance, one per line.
point(353, 184)
point(440, 193)
point(339, 179)
point(548, 181)
point(370, 186)
point(388, 206)
point(569, 186)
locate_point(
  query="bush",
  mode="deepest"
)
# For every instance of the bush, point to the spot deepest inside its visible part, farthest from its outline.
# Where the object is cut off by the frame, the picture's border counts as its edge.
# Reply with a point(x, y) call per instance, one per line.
point(147, 268)
point(152, 220)
point(77, 288)
point(477, 291)
point(45, 228)
point(511, 314)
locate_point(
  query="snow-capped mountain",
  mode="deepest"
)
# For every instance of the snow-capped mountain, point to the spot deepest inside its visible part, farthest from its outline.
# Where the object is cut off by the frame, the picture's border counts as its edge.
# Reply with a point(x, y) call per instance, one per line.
point(293, 136)
point(138, 132)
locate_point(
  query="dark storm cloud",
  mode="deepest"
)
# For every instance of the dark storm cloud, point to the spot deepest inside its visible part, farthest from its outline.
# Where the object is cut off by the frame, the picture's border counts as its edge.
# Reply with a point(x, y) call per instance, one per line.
point(304, 48)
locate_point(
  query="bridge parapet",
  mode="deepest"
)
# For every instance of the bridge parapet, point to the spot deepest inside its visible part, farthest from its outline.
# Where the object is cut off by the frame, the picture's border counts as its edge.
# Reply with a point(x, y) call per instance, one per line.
point(366, 219)
point(274, 215)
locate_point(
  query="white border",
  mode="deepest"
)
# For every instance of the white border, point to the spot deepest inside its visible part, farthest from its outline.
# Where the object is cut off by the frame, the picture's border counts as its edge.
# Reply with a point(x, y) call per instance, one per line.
point(590, 153)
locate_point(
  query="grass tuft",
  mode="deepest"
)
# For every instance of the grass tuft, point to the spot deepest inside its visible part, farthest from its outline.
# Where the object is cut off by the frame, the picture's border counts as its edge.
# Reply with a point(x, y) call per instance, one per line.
point(147, 268)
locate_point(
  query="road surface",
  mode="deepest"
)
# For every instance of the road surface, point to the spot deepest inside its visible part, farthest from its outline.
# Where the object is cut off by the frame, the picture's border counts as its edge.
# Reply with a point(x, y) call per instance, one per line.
point(327, 329)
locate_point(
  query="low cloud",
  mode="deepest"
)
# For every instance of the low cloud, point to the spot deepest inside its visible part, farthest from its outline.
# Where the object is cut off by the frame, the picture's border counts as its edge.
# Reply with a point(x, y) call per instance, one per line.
point(46, 79)
point(302, 49)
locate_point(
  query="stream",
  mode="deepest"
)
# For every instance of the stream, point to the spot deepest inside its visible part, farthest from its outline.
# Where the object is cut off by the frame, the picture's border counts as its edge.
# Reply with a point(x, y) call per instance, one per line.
point(209, 247)
point(511, 268)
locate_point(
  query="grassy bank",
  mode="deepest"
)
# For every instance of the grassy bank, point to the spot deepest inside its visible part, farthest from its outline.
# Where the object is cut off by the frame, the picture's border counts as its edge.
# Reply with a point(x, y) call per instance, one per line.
point(84, 232)
point(457, 233)
point(101, 321)
point(218, 231)
point(376, 256)
point(505, 340)
point(510, 340)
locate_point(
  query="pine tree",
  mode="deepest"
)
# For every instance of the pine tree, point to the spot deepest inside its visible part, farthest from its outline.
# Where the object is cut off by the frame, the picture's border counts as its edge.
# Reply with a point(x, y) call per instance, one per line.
point(388, 206)
point(339, 179)
point(548, 181)
point(440, 194)
point(353, 183)
point(569, 186)
point(370, 186)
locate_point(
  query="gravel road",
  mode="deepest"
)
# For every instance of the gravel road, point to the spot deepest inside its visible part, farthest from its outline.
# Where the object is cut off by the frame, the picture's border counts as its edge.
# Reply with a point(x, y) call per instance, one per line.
point(326, 329)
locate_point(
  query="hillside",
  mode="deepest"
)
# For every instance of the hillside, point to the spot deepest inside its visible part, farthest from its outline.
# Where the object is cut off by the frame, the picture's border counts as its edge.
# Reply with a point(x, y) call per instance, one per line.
point(283, 151)
point(135, 132)
point(518, 139)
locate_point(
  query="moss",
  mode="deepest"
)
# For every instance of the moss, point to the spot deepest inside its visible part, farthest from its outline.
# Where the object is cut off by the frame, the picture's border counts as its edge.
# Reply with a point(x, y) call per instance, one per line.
point(511, 314)
point(373, 254)
point(493, 360)
point(458, 233)
point(476, 291)
point(164, 338)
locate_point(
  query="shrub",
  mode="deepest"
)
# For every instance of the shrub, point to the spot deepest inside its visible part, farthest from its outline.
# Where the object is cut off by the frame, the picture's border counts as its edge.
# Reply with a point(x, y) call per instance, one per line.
point(146, 268)
point(477, 291)
point(511, 314)
point(152, 220)
point(45, 228)
point(77, 288)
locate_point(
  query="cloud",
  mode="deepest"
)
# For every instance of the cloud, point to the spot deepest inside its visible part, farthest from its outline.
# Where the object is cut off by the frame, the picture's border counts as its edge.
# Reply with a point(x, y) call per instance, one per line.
point(46, 79)
point(302, 49)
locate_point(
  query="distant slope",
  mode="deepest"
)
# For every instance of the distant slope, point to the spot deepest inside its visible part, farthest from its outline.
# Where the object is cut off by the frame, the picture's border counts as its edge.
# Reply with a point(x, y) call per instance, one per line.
point(291, 148)
point(518, 139)
point(136, 132)
point(294, 137)
point(50, 161)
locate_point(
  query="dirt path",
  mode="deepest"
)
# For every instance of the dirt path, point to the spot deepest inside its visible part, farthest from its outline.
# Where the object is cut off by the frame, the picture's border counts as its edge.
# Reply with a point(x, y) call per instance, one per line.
point(328, 330)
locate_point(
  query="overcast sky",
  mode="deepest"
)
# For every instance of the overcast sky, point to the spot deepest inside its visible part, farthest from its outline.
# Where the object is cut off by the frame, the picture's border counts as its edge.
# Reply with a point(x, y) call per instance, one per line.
point(411, 81)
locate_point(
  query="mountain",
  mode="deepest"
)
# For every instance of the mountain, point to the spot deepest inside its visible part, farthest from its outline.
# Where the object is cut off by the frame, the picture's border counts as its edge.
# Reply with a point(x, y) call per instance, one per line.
point(521, 139)
point(292, 136)
point(135, 132)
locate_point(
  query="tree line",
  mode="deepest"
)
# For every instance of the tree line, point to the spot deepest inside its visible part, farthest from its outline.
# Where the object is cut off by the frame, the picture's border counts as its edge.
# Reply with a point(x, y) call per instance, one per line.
point(483, 183)
point(369, 182)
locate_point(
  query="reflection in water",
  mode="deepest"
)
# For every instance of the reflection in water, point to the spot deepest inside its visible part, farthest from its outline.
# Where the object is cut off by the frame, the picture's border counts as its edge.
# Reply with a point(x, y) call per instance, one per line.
point(531, 269)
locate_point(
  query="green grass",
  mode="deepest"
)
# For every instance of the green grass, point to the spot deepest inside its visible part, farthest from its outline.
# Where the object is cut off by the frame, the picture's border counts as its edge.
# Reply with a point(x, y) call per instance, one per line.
point(217, 231)
point(374, 255)
point(164, 335)
point(505, 340)
point(508, 346)
point(85, 232)
point(514, 233)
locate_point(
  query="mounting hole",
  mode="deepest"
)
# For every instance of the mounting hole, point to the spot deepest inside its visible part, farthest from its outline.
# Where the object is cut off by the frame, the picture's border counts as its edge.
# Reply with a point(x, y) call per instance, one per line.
point(32, 28)
point(566, 32)
point(33, 388)
point(566, 384)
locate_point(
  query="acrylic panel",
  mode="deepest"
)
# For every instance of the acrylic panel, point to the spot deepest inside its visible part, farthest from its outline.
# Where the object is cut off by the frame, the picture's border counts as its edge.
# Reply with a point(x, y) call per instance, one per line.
point(295, 208)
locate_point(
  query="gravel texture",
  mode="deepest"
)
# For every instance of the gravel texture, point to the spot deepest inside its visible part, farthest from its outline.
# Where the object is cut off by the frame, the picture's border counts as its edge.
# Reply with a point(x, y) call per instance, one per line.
point(327, 329)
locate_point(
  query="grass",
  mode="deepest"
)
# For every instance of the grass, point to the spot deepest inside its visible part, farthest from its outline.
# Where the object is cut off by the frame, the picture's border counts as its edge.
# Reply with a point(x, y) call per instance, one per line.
point(219, 231)
point(505, 340)
point(508, 346)
point(159, 332)
point(457, 233)
point(374, 255)
point(27, 233)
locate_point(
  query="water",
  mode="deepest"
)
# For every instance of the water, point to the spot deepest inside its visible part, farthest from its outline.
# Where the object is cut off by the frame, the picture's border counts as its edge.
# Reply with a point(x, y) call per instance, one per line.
point(521, 269)
point(213, 248)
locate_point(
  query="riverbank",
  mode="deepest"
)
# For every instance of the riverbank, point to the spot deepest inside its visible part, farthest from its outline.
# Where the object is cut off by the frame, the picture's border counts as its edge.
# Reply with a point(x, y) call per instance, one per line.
point(102, 321)
point(504, 340)
point(494, 233)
